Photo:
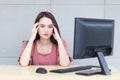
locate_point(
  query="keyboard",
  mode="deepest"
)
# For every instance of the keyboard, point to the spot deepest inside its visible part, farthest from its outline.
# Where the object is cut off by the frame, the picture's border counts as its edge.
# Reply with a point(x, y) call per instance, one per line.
point(71, 69)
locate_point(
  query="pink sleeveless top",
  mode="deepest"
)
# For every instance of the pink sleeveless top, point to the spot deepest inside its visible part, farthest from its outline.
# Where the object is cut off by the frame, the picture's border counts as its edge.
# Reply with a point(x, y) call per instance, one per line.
point(51, 58)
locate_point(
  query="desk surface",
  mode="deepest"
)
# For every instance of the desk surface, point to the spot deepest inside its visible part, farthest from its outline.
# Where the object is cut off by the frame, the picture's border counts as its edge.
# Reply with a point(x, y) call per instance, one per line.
point(11, 72)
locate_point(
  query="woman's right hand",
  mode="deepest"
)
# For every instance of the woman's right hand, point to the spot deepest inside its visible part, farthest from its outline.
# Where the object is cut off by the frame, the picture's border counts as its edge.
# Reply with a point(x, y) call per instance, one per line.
point(34, 31)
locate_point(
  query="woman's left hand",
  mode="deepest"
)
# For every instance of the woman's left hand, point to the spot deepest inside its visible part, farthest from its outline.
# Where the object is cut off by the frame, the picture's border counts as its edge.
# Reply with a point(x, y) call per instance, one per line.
point(56, 34)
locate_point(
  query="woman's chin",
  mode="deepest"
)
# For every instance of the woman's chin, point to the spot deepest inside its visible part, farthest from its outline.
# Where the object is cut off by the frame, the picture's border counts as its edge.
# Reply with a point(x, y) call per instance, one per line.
point(46, 38)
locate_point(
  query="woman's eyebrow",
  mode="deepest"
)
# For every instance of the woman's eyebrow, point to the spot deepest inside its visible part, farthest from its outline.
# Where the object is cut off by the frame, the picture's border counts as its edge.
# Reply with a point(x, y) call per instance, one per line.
point(51, 24)
point(48, 24)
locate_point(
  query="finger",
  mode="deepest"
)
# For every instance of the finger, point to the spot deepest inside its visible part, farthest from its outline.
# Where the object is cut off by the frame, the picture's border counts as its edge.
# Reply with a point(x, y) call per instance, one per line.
point(54, 28)
point(35, 26)
point(54, 36)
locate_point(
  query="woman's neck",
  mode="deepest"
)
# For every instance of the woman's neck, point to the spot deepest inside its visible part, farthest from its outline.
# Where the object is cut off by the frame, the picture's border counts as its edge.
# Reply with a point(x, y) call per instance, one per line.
point(44, 46)
point(44, 42)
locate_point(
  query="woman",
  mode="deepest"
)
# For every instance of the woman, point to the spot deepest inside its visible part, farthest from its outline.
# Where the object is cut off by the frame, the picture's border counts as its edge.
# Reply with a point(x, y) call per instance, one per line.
point(45, 46)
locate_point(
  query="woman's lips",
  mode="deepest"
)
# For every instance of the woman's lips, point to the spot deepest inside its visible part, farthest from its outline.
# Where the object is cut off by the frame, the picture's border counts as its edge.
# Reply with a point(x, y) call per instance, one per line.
point(45, 34)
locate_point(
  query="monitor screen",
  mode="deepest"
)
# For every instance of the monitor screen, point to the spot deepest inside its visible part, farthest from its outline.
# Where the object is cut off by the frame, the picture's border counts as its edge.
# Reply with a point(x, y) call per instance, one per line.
point(92, 34)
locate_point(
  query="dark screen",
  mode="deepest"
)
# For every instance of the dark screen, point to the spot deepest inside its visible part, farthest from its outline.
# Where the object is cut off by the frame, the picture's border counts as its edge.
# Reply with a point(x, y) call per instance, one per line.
point(92, 34)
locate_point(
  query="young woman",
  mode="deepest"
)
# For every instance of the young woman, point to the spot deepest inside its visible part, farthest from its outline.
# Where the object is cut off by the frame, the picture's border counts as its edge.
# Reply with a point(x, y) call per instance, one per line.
point(45, 46)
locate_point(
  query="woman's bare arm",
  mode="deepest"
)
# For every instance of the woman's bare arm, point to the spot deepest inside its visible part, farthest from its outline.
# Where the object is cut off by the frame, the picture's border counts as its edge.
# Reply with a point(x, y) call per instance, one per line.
point(63, 56)
point(26, 54)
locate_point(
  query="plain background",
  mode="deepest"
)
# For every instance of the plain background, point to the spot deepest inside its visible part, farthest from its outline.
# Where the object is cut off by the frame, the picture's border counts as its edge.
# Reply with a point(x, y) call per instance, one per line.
point(17, 18)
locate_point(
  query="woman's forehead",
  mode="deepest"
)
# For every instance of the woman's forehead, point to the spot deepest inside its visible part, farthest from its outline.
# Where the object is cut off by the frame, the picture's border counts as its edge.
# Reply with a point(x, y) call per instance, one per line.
point(45, 20)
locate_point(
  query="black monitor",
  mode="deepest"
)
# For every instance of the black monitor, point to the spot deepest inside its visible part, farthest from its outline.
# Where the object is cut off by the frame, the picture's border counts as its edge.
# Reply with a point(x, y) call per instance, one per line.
point(93, 38)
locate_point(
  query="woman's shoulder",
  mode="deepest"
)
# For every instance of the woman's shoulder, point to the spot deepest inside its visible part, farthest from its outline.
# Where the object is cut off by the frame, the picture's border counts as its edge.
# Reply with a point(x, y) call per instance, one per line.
point(64, 41)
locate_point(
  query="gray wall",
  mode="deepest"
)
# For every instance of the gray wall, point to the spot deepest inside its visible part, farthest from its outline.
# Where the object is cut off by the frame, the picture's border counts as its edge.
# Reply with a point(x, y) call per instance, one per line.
point(17, 18)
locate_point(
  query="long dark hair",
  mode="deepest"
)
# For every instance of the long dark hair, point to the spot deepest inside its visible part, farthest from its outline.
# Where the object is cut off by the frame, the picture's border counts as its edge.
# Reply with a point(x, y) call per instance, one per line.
point(50, 16)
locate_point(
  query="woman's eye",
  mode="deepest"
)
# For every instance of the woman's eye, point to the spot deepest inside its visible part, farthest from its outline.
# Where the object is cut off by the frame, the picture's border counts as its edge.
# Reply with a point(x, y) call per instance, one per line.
point(50, 26)
point(42, 26)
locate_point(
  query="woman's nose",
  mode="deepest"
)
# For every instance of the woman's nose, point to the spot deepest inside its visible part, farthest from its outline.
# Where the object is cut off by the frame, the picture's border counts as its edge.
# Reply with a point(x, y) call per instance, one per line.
point(46, 29)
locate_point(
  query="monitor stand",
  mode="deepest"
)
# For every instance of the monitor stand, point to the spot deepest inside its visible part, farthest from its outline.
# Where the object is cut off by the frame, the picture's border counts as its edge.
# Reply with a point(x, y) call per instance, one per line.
point(103, 66)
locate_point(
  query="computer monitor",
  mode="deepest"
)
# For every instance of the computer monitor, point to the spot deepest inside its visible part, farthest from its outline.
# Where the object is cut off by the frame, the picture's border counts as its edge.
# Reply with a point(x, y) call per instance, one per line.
point(93, 38)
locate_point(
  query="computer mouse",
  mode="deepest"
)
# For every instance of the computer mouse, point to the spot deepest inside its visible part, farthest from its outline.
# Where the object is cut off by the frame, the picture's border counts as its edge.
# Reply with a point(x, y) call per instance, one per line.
point(41, 70)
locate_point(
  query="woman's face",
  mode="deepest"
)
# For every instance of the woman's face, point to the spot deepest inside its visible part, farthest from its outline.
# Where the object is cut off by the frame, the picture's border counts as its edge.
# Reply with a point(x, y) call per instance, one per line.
point(45, 28)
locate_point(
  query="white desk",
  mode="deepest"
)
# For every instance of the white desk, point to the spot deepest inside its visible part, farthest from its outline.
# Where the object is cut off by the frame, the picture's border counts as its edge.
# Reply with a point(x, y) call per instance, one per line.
point(12, 72)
